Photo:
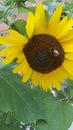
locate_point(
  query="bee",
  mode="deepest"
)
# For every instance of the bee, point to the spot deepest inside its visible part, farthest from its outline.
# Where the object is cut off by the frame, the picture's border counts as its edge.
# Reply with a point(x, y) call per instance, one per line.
point(54, 52)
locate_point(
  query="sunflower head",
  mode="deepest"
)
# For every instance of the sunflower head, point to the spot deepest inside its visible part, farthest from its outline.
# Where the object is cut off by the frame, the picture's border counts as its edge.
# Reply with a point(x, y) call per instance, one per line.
point(47, 54)
point(43, 53)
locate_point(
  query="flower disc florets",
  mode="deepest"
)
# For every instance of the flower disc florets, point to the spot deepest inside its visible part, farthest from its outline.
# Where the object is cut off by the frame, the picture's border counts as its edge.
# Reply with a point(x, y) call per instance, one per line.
point(44, 53)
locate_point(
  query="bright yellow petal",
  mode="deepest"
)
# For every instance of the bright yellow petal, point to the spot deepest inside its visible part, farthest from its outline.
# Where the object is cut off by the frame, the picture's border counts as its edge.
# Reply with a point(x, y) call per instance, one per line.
point(48, 82)
point(58, 76)
point(42, 81)
point(56, 83)
point(21, 67)
point(66, 29)
point(34, 78)
point(20, 57)
point(66, 43)
point(68, 65)
point(11, 41)
point(54, 20)
point(9, 59)
point(7, 40)
point(62, 73)
point(14, 38)
point(68, 47)
point(27, 75)
point(40, 19)
point(70, 20)
point(17, 36)
point(67, 38)
point(10, 51)
point(30, 25)
point(69, 56)
point(60, 26)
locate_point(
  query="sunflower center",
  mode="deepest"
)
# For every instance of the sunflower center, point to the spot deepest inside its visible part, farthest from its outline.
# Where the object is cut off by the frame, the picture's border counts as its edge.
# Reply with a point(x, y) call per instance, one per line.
point(43, 53)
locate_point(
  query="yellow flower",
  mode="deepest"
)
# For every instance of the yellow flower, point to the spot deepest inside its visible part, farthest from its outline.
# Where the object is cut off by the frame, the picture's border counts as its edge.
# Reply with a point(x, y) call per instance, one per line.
point(46, 54)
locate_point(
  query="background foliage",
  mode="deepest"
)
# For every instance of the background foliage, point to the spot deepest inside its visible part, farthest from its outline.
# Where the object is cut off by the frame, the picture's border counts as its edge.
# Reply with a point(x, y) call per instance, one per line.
point(23, 106)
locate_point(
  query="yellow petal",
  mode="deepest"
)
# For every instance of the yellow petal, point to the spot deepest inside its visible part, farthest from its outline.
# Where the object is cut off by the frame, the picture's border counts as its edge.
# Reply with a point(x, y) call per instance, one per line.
point(66, 29)
point(9, 59)
point(27, 75)
point(21, 67)
point(48, 82)
point(70, 20)
point(40, 19)
point(7, 40)
point(20, 57)
point(69, 56)
point(68, 65)
point(17, 36)
point(10, 51)
point(40, 78)
point(67, 43)
point(67, 38)
point(68, 47)
point(58, 76)
point(60, 26)
point(42, 82)
point(62, 74)
point(56, 83)
point(35, 78)
point(11, 41)
point(30, 25)
point(54, 20)
point(53, 79)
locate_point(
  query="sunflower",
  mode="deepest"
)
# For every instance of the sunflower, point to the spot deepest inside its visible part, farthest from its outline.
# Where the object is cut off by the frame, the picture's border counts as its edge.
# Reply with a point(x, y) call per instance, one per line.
point(45, 53)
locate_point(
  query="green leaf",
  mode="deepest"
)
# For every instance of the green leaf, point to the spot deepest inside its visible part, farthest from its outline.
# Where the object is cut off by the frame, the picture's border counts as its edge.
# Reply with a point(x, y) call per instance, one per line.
point(2, 65)
point(32, 104)
point(41, 125)
point(19, 26)
point(9, 127)
point(70, 88)
point(26, 9)
point(68, 6)
point(19, 97)
point(47, 15)
point(22, 10)
point(58, 0)
point(32, 1)
point(46, 2)
point(8, 122)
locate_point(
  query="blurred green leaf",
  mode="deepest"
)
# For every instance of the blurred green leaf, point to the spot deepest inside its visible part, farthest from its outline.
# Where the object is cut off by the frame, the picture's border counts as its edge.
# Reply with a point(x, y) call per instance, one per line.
point(68, 5)
point(70, 83)
point(8, 122)
point(58, 0)
point(46, 2)
point(33, 1)
point(41, 125)
point(69, 8)
point(19, 98)
point(19, 26)
point(5, 11)
point(1, 12)
point(22, 10)
point(70, 88)
point(47, 15)
point(32, 104)
point(2, 65)
point(26, 9)
point(10, 127)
